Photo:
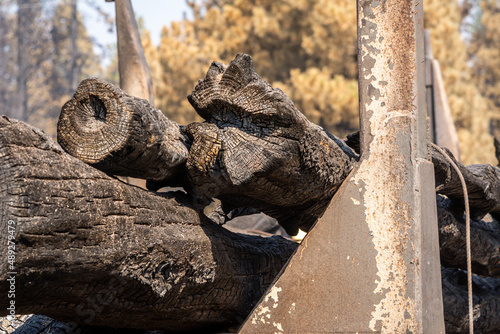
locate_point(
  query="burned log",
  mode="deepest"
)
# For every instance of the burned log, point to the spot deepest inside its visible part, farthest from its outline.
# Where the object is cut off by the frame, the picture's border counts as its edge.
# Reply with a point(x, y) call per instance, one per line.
point(254, 150)
point(486, 302)
point(92, 249)
point(147, 260)
point(483, 184)
point(121, 134)
point(485, 240)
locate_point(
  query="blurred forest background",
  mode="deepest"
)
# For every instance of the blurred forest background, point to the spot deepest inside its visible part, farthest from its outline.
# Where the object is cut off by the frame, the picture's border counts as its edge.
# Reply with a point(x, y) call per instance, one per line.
point(305, 47)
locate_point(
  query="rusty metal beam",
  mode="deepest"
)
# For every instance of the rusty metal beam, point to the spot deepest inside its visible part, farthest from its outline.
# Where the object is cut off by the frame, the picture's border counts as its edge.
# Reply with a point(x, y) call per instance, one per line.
point(371, 262)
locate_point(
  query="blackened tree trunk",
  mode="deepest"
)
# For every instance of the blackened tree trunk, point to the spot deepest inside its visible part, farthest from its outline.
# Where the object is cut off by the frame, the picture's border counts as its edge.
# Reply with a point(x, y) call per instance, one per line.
point(92, 249)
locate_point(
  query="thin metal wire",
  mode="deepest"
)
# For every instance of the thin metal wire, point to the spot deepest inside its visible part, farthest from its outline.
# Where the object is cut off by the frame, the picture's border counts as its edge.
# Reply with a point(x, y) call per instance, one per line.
point(467, 237)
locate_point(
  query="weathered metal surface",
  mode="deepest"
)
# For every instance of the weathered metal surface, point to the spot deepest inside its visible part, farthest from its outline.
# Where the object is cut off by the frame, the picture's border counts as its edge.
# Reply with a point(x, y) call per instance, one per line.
point(432, 296)
point(315, 294)
point(361, 267)
point(428, 84)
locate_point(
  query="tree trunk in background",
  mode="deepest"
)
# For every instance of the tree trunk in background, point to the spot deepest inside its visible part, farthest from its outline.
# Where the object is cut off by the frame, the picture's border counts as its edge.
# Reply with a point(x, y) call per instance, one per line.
point(24, 18)
point(74, 67)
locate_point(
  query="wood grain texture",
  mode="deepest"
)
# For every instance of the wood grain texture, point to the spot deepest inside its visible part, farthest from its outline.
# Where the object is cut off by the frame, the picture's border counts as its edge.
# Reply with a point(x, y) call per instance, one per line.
point(256, 149)
point(485, 240)
point(94, 250)
point(121, 134)
point(483, 184)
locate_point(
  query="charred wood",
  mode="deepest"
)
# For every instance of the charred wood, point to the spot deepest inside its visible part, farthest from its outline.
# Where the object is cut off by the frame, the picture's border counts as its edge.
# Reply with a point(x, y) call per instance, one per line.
point(254, 150)
point(486, 302)
point(483, 184)
point(485, 240)
point(94, 250)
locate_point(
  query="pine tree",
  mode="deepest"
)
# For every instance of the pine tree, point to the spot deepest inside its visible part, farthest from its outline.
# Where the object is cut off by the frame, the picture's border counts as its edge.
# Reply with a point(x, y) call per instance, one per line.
point(296, 45)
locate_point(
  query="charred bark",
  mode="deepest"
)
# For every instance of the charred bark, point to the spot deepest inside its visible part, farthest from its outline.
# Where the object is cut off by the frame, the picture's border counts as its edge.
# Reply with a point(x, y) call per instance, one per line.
point(455, 300)
point(254, 150)
point(483, 185)
point(94, 250)
point(150, 261)
point(485, 241)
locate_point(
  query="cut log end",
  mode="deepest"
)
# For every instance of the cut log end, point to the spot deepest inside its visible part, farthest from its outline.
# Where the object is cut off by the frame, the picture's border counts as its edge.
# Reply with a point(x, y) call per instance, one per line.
point(94, 122)
point(121, 134)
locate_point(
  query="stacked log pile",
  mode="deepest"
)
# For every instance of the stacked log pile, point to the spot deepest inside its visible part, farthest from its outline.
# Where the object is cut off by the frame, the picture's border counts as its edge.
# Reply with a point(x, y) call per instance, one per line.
point(93, 250)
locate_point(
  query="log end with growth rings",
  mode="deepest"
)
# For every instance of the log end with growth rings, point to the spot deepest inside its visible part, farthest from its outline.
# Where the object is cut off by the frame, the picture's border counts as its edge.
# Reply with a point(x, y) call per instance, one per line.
point(121, 134)
point(94, 122)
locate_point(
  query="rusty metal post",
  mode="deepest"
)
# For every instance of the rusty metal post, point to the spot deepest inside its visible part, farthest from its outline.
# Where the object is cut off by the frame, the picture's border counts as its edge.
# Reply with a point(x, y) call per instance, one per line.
point(371, 262)
point(443, 132)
